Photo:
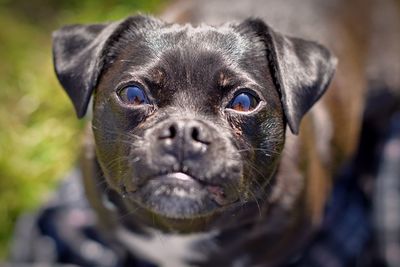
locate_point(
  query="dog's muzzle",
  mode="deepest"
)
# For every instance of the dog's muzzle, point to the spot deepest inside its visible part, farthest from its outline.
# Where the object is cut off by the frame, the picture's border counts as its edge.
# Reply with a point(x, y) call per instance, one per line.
point(191, 170)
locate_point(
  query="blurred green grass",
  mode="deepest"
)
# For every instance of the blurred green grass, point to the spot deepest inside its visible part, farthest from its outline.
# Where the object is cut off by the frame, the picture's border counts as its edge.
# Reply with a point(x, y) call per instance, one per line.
point(39, 133)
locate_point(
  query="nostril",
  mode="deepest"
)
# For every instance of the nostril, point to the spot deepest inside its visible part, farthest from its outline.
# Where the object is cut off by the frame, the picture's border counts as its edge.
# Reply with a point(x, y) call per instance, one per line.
point(168, 133)
point(195, 134)
point(198, 135)
point(172, 131)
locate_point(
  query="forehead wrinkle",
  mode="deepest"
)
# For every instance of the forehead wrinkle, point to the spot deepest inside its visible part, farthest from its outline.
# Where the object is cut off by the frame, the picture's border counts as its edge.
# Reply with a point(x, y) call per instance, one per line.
point(142, 71)
point(195, 77)
point(153, 44)
point(223, 39)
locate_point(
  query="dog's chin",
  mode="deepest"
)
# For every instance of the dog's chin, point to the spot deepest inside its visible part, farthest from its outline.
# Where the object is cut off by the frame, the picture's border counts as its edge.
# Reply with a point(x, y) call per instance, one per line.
point(178, 196)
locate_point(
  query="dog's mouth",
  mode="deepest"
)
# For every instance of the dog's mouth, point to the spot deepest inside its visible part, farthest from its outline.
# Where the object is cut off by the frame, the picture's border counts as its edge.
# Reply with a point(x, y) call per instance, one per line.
point(180, 196)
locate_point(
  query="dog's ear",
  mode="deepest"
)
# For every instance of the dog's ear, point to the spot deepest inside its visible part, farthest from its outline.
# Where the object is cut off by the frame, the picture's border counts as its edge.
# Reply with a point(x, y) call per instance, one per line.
point(79, 54)
point(302, 70)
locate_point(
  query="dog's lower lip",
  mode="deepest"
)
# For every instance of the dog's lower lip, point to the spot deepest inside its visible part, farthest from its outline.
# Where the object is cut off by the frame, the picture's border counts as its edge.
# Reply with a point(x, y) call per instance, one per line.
point(217, 192)
point(179, 184)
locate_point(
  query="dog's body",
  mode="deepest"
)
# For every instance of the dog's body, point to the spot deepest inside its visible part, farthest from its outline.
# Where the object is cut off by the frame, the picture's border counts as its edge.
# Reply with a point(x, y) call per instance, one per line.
point(204, 165)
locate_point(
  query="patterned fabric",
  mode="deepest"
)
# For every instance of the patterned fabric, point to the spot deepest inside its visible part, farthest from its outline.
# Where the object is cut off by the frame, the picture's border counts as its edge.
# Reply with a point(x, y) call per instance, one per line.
point(63, 232)
point(346, 227)
point(386, 208)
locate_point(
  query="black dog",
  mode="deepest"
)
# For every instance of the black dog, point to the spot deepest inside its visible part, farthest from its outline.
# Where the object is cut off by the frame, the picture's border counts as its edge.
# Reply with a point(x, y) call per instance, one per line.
point(189, 128)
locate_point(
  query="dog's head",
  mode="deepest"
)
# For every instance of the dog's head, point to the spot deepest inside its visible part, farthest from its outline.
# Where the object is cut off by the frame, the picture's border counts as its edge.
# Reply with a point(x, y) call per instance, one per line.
point(189, 122)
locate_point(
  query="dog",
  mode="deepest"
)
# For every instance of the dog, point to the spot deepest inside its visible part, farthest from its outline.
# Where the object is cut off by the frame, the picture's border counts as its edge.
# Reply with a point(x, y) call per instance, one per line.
point(189, 128)
point(200, 153)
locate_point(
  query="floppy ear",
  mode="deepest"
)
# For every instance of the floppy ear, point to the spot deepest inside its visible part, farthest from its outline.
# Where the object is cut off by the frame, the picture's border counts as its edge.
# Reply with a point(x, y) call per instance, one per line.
point(302, 70)
point(79, 54)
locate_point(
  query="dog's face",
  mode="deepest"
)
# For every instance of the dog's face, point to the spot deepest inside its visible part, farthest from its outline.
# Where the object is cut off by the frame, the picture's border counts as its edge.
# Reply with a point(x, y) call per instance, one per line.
point(189, 122)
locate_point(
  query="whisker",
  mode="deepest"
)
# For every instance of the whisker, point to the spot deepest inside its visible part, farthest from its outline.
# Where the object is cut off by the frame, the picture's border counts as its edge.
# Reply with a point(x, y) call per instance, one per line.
point(268, 151)
point(261, 187)
point(118, 160)
point(116, 141)
point(112, 131)
point(257, 203)
point(119, 218)
point(98, 184)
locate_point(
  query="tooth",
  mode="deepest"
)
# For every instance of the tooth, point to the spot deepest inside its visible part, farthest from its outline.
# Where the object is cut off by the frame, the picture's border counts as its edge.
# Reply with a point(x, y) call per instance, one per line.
point(182, 176)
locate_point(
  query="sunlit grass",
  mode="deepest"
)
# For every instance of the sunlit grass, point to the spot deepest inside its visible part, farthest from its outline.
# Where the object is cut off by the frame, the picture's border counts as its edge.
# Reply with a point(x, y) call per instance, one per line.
point(39, 133)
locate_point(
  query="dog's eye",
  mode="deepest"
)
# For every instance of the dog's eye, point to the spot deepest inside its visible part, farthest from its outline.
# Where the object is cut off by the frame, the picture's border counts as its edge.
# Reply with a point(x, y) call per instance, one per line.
point(243, 102)
point(133, 95)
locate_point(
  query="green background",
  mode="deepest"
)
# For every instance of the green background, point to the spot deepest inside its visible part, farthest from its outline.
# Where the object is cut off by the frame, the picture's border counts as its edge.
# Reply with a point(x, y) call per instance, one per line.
point(39, 133)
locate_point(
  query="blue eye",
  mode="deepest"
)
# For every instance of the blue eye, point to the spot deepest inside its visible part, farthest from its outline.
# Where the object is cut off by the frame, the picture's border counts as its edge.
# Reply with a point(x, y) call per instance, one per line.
point(133, 95)
point(243, 102)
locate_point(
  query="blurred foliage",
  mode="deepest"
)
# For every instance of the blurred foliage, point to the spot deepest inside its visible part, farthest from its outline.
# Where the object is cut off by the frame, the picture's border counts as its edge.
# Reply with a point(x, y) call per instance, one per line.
point(39, 133)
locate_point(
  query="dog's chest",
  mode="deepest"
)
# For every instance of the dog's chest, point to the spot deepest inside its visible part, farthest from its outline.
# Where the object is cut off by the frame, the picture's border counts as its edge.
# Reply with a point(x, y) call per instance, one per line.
point(168, 250)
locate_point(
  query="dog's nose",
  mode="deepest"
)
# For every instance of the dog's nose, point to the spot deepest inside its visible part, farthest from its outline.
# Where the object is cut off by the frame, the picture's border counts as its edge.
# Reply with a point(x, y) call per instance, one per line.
point(185, 138)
